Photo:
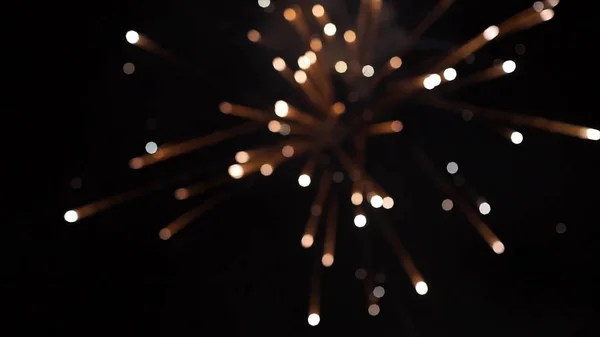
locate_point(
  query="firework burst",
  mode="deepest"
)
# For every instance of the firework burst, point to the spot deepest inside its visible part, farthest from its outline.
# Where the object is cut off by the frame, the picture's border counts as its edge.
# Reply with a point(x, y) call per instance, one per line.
point(337, 127)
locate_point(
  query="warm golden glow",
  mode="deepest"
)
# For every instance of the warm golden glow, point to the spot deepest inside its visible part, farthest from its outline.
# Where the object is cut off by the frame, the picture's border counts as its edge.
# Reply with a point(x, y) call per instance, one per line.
point(396, 126)
point(395, 62)
point(341, 67)
point(316, 44)
point(225, 107)
point(498, 247)
point(327, 260)
point(307, 241)
point(266, 170)
point(318, 11)
point(356, 198)
point(236, 171)
point(279, 64)
point(254, 35)
point(287, 151)
point(274, 126)
point(289, 14)
point(350, 36)
point(242, 157)
point(339, 108)
point(300, 76)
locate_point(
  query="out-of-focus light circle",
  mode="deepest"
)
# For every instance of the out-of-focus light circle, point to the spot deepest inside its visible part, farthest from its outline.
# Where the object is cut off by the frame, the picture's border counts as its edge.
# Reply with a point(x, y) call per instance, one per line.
point(373, 309)
point(421, 288)
point(378, 291)
point(592, 134)
point(376, 201)
point(516, 137)
point(132, 37)
point(552, 3)
point(561, 228)
point(266, 170)
point(242, 157)
point(349, 36)
point(151, 147)
point(254, 35)
point(360, 273)
point(300, 76)
point(498, 247)
point(285, 130)
point(341, 67)
point(128, 68)
point(304, 180)
point(307, 241)
point(71, 216)
point(485, 208)
point(287, 151)
point(278, 64)
point(547, 14)
point(274, 126)
point(509, 66)
point(264, 3)
point(312, 57)
point(360, 220)
point(520, 49)
point(329, 29)
point(316, 44)
point(327, 260)
point(368, 71)
point(538, 6)
point(447, 205)
point(318, 11)
point(450, 74)
point(236, 171)
point(395, 62)
point(491, 32)
point(356, 198)
point(314, 319)
point(281, 108)
point(388, 202)
point(289, 14)
point(452, 167)
point(304, 62)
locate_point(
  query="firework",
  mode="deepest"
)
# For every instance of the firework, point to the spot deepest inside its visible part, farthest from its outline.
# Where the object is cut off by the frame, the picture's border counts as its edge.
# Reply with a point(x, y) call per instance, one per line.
point(329, 52)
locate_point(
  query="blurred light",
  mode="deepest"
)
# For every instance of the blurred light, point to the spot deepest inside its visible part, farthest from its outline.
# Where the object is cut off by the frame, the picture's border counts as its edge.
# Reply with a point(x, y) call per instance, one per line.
point(316, 44)
point(300, 76)
point(236, 171)
point(307, 241)
point(132, 37)
point(242, 157)
point(318, 11)
point(450, 74)
point(304, 180)
point(274, 126)
point(71, 216)
point(547, 14)
point(360, 273)
point(304, 62)
point(285, 129)
point(516, 137)
point(165, 234)
point(368, 71)
point(538, 6)
point(341, 67)
point(312, 57)
point(338, 177)
point(151, 147)
point(287, 151)
point(452, 167)
point(553, 3)
point(561, 228)
point(447, 205)
point(281, 108)
point(396, 126)
point(327, 260)
point(428, 83)
point(592, 134)
point(360, 221)
point(356, 198)
point(339, 108)
point(314, 319)
point(329, 29)
point(436, 79)
point(520, 49)
point(421, 288)
point(278, 64)
point(376, 201)
point(266, 170)
point(225, 107)
point(350, 36)
point(395, 62)
point(254, 35)
point(264, 3)
point(498, 247)
point(467, 115)
point(289, 14)
point(485, 208)
point(373, 309)
point(378, 292)
point(509, 66)
point(128, 68)
point(388, 203)
point(491, 32)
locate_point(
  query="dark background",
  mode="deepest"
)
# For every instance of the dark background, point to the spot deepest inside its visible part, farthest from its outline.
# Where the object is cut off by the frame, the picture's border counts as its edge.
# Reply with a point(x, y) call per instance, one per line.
point(240, 269)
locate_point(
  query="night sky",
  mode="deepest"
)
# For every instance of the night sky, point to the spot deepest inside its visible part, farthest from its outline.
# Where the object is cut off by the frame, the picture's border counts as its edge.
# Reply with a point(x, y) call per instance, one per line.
point(240, 269)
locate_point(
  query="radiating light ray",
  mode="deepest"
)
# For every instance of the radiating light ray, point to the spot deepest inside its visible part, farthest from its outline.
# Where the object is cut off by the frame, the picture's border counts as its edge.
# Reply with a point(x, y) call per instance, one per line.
point(488, 74)
point(316, 210)
point(190, 191)
point(168, 151)
point(185, 219)
point(330, 233)
point(482, 228)
point(314, 307)
point(517, 119)
point(296, 18)
point(385, 128)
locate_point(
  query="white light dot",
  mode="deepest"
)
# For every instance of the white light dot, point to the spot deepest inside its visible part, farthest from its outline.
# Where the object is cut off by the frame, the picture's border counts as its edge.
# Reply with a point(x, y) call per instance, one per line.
point(341, 67)
point(485, 208)
point(236, 171)
point(376, 201)
point(314, 319)
point(592, 134)
point(509, 66)
point(378, 292)
point(368, 71)
point(547, 14)
point(538, 6)
point(311, 56)
point(450, 74)
point(516, 137)
point(360, 220)
point(151, 147)
point(242, 157)
point(329, 29)
point(498, 247)
point(304, 180)
point(281, 108)
point(428, 83)
point(304, 62)
point(373, 309)
point(452, 167)
point(300, 76)
point(447, 205)
point(264, 3)
point(491, 32)
point(132, 37)
point(388, 202)
point(421, 288)
point(71, 216)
